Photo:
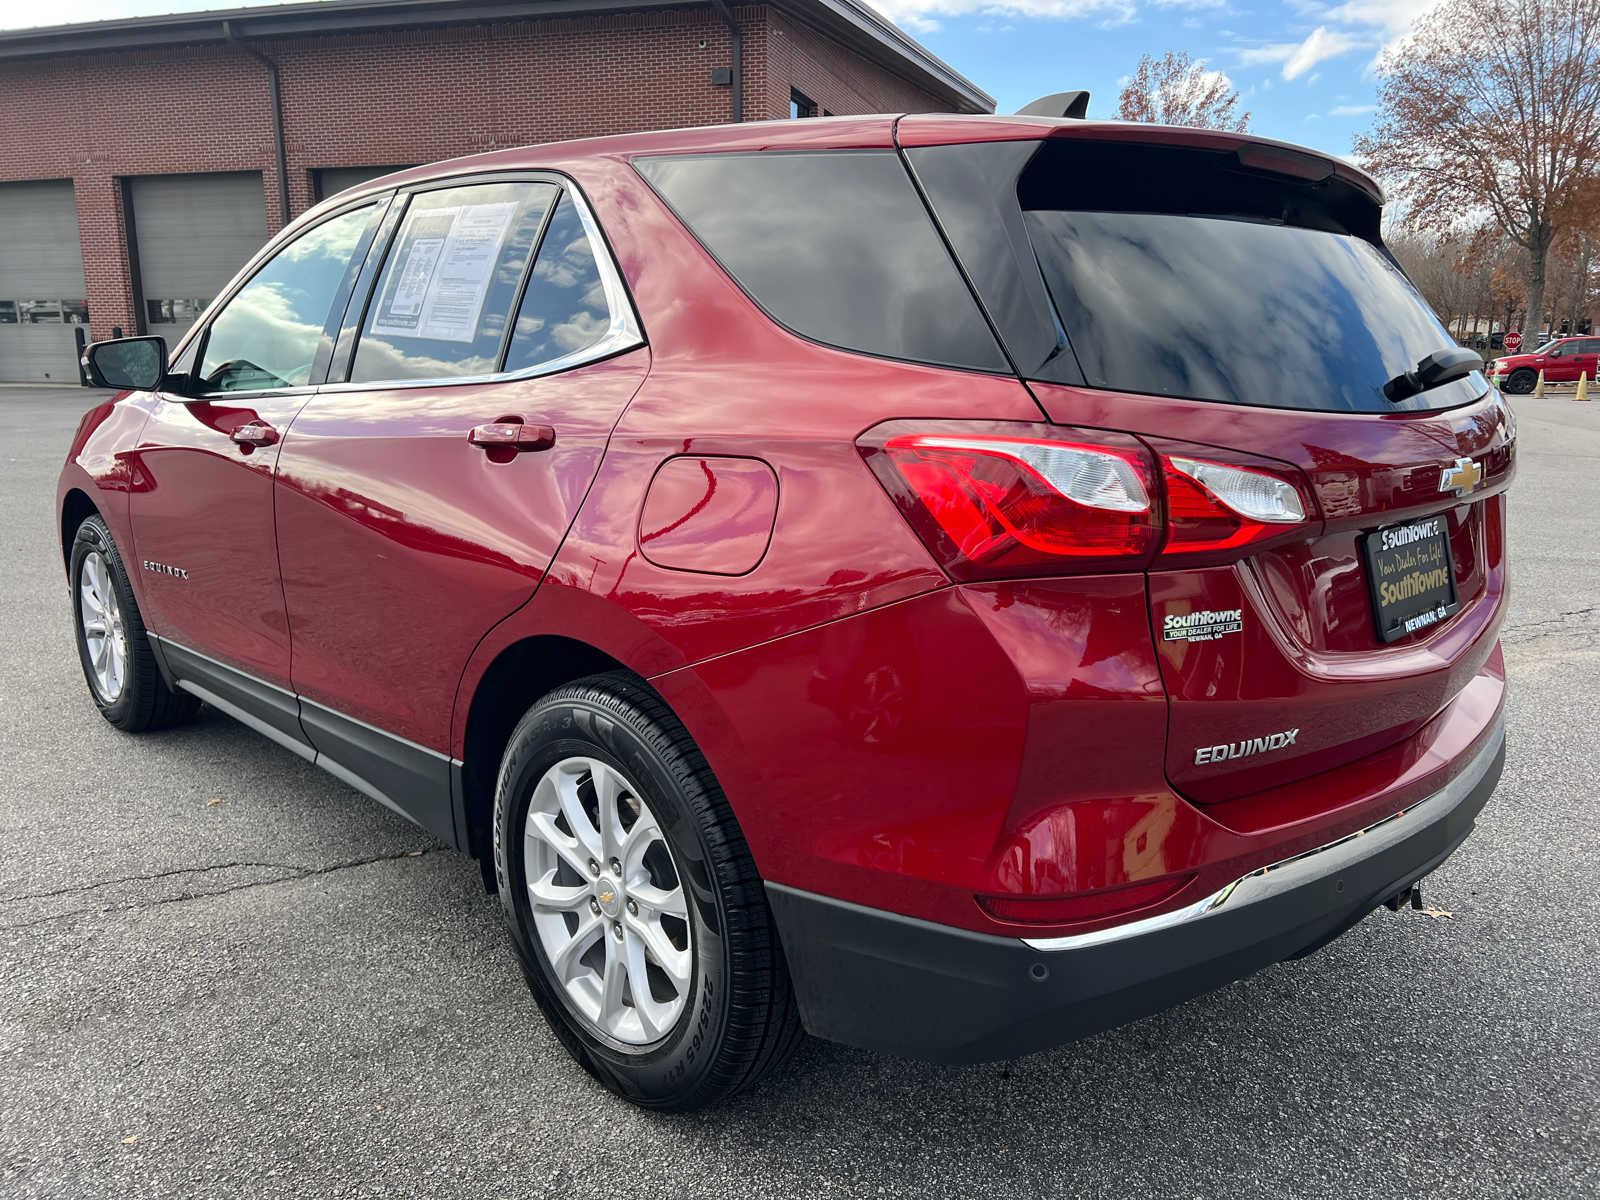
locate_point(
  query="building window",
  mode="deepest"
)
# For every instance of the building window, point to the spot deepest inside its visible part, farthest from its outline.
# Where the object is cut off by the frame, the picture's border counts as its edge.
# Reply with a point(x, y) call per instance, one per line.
point(173, 312)
point(75, 312)
point(800, 104)
point(40, 312)
point(8, 312)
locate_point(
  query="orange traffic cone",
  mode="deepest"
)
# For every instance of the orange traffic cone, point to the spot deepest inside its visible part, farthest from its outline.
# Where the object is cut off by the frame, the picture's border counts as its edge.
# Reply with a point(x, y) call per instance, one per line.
point(1538, 388)
point(1583, 387)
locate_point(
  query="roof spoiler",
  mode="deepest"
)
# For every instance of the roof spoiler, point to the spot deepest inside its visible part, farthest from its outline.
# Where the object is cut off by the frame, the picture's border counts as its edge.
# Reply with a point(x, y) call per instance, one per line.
point(1072, 105)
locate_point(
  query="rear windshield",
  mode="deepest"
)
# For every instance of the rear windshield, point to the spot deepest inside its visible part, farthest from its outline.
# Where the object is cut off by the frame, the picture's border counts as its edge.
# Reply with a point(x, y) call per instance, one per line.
point(1250, 293)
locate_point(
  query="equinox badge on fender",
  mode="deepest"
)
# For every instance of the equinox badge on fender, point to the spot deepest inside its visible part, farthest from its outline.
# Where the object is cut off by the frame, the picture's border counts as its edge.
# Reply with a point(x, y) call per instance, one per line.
point(1216, 754)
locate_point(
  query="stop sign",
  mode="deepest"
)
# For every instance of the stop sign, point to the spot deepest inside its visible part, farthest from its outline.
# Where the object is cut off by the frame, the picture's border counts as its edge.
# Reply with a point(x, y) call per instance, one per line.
point(1513, 340)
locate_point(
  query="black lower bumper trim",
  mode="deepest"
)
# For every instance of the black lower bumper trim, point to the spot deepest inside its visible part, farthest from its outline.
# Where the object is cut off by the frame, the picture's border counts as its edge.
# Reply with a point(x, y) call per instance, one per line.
point(912, 988)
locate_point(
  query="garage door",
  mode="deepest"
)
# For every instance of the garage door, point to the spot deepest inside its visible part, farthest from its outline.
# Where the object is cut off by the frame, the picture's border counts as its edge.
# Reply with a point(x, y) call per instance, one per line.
point(194, 232)
point(333, 180)
point(41, 282)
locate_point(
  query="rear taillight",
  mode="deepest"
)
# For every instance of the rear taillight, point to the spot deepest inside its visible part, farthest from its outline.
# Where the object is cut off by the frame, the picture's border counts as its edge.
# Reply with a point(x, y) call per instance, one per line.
point(1000, 500)
point(1002, 503)
point(1214, 506)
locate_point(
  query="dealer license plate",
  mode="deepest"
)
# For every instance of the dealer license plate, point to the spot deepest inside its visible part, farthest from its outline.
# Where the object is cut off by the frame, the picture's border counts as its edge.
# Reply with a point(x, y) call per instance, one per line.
point(1411, 575)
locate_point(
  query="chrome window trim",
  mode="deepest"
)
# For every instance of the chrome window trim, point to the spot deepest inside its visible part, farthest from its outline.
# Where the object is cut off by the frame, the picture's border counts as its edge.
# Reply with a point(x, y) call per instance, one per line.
point(624, 333)
point(1281, 876)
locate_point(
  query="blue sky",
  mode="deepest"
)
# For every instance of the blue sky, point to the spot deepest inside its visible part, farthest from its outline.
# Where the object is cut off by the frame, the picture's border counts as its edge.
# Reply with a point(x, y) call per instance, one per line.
point(1304, 67)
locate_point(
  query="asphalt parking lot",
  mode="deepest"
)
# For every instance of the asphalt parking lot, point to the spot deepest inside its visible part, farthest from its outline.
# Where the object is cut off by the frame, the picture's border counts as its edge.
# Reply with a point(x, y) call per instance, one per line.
point(224, 973)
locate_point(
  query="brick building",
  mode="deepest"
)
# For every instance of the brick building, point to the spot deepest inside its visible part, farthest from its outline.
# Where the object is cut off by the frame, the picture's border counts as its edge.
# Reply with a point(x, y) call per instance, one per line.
point(142, 161)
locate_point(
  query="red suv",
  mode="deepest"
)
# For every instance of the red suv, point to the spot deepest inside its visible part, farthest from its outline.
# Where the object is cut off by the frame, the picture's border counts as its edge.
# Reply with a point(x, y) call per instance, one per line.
point(949, 584)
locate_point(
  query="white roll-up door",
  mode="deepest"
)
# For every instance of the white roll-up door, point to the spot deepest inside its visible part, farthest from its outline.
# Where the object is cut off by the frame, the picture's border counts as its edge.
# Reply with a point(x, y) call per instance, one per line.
point(194, 232)
point(41, 282)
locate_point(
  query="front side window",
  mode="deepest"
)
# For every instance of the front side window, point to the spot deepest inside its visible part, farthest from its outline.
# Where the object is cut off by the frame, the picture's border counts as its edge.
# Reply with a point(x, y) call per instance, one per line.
point(449, 283)
point(267, 335)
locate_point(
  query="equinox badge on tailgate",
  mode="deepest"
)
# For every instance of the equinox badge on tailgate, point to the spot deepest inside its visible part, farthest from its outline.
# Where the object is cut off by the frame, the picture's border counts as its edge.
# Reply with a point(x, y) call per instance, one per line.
point(1216, 754)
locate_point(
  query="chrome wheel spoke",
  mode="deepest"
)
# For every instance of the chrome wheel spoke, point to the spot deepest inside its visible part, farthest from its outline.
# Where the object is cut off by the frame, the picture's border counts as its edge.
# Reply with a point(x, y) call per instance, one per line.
point(566, 957)
point(609, 787)
point(542, 830)
point(673, 962)
point(654, 1016)
point(613, 987)
point(659, 900)
point(567, 783)
point(546, 893)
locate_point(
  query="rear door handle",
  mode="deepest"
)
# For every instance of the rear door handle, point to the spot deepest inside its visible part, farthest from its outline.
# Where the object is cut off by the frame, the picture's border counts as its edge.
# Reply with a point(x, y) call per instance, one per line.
point(255, 433)
point(505, 435)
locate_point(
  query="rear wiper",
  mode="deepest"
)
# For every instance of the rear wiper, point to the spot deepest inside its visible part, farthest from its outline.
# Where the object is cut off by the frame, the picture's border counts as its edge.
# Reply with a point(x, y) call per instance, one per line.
point(1440, 367)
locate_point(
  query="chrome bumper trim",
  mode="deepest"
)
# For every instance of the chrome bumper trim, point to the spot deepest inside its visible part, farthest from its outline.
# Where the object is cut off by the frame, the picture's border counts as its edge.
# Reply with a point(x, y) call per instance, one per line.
point(1292, 872)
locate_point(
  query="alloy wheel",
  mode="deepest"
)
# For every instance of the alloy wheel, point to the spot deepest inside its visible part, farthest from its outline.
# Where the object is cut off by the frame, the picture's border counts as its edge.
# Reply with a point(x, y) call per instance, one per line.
point(103, 631)
point(607, 900)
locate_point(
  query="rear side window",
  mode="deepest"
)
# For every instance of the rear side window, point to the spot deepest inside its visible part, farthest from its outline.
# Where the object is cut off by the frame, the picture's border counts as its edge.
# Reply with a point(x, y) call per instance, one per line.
point(834, 244)
point(450, 281)
point(564, 308)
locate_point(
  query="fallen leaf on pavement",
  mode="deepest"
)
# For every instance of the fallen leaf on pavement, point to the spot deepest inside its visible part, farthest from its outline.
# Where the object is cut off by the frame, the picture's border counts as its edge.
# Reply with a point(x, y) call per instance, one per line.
point(1436, 913)
point(218, 800)
point(128, 1141)
point(412, 853)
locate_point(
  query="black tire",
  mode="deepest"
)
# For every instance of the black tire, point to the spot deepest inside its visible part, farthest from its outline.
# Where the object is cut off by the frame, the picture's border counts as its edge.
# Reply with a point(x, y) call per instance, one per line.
point(1521, 381)
point(144, 702)
point(739, 1020)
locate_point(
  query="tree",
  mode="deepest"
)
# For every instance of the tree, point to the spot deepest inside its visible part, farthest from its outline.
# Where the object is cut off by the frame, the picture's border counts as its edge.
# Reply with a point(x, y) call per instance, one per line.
point(1175, 91)
point(1495, 109)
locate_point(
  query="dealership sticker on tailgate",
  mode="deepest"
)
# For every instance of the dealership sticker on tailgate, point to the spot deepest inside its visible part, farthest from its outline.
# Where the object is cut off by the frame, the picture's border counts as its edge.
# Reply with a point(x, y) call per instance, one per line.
point(1201, 626)
point(1412, 580)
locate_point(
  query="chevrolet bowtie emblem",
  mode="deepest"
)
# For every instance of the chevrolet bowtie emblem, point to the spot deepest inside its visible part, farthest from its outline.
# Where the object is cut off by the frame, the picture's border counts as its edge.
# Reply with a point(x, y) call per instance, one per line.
point(1461, 477)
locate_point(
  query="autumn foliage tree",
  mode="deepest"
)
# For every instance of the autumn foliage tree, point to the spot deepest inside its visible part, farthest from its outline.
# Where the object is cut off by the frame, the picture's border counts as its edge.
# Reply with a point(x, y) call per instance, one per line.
point(1495, 109)
point(1175, 91)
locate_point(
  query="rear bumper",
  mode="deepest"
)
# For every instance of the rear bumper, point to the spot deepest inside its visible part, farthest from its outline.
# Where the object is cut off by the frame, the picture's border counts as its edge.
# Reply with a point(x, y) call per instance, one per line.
point(919, 990)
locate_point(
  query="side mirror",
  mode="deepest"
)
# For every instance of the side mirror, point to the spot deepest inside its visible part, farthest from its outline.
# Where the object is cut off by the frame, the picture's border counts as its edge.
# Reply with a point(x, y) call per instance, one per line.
point(138, 363)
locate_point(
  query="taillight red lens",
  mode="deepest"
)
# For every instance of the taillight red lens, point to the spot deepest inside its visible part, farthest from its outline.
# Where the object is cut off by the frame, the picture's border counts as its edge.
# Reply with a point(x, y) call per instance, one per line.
point(1214, 506)
point(997, 505)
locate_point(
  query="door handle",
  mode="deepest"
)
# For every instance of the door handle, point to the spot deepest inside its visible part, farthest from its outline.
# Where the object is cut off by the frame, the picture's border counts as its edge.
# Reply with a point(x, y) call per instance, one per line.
point(505, 435)
point(255, 433)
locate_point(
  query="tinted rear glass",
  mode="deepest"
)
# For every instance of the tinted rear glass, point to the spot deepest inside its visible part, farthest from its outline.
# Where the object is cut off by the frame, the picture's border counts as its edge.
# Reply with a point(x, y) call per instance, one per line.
point(1255, 291)
point(836, 245)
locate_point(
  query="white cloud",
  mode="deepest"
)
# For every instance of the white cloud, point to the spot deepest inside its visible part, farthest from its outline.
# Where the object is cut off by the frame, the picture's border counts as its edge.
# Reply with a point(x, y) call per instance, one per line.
point(1351, 110)
point(1299, 57)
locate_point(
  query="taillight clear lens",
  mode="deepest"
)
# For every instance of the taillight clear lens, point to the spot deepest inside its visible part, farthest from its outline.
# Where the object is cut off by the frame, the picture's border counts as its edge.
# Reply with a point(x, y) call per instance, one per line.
point(1214, 506)
point(1252, 494)
point(998, 505)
